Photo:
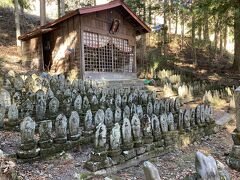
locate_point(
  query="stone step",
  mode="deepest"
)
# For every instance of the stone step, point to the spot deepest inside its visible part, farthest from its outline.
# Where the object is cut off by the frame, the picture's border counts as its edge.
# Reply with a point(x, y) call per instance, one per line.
point(123, 83)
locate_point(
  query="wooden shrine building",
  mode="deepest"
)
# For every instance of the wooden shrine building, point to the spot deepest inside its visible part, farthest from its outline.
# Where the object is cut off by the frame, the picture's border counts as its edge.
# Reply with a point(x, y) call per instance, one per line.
point(97, 42)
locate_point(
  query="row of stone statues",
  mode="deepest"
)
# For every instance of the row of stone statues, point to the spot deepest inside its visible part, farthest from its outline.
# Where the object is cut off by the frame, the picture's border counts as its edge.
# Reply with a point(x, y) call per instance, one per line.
point(64, 129)
point(138, 135)
point(57, 114)
point(150, 126)
point(47, 105)
point(177, 83)
point(112, 112)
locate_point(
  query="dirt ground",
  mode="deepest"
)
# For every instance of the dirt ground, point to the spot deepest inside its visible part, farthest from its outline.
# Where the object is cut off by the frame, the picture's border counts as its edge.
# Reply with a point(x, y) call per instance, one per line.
point(179, 164)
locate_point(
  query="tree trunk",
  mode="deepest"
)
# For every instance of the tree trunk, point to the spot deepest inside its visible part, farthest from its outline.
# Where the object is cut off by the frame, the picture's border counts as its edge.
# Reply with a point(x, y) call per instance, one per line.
point(194, 58)
point(149, 19)
point(200, 32)
point(206, 29)
point(61, 8)
point(169, 20)
point(182, 31)
point(176, 23)
point(17, 23)
point(225, 31)
point(236, 63)
point(150, 12)
point(199, 29)
point(221, 45)
point(216, 36)
point(144, 37)
point(165, 29)
point(42, 12)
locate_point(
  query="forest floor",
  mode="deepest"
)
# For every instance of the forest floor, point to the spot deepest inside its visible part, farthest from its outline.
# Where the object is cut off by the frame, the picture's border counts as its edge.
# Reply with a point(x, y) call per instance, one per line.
point(211, 66)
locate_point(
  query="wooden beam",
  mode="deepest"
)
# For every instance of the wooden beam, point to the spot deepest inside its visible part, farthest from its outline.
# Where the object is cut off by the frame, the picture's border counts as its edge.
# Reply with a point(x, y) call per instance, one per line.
point(35, 33)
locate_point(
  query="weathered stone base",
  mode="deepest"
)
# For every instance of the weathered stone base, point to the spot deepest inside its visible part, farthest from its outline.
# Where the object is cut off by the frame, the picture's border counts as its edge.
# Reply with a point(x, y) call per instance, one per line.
point(11, 127)
point(11, 124)
point(114, 153)
point(148, 139)
point(171, 138)
point(94, 166)
point(28, 146)
point(138, 143)
point(234, 163)
point(51, 147)
point(210, 128)
point(45, 144)
point(62, 147)
point(28, 154)
point(116, 160)
point(149, 147)
point(60, 140)
point(87, 139)
point(87, 133)
point(112, 166)
point(127, 146)
point(47, 152)
point(98, 160)
point(74, 137)
point(170, 141)
point(99, 156)
point(129, 154)
point(140, 150)
point(236, 137)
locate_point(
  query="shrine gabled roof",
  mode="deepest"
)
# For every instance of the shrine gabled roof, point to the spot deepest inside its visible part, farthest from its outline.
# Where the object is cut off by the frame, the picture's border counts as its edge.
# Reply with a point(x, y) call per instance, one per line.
point(141, 26)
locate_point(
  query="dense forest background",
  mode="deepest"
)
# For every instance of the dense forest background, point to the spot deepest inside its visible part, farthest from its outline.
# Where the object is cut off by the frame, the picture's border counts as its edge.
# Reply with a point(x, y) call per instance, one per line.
point(201, 32)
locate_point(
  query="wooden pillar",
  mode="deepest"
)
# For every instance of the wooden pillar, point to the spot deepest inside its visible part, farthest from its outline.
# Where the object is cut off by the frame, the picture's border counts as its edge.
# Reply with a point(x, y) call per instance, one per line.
point(82, 61)
point(111, 52)
point(41, 60)
point(135, 59)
